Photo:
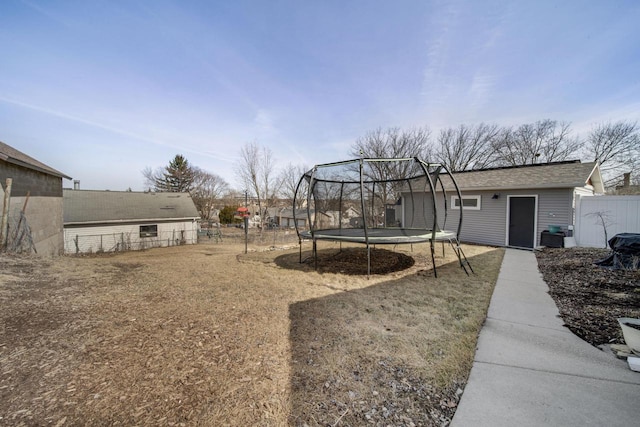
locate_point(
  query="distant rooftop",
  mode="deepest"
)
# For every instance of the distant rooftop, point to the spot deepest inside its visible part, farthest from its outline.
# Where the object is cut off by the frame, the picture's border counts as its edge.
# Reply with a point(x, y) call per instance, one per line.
point(95, 207)
point(13, 156)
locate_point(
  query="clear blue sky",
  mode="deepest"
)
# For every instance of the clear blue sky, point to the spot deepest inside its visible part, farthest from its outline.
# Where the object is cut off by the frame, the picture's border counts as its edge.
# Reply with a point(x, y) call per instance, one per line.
point(100, 90)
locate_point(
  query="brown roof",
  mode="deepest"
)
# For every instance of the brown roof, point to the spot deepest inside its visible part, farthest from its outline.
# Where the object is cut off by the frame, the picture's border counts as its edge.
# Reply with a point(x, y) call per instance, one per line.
point(11, 155)
point(569, 174)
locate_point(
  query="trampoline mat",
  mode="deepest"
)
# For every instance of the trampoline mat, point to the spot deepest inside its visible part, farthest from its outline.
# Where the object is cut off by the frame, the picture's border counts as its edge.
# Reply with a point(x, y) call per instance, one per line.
point(378, 236)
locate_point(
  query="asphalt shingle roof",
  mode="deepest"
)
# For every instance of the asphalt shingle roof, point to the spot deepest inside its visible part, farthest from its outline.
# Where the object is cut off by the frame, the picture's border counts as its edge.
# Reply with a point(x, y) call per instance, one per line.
point(548, 175)
point(92, 206)
point(11, 155)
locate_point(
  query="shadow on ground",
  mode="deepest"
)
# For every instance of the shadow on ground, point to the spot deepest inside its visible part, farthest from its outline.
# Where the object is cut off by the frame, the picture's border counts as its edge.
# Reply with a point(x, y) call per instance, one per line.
point(394, 353)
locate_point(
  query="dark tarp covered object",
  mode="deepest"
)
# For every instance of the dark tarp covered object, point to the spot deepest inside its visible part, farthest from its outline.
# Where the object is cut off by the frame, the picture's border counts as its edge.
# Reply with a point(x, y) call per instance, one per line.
point(626, 252)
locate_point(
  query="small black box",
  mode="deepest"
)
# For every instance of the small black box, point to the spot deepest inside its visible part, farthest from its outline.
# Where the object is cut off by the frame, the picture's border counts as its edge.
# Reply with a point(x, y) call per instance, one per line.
point(552, 240)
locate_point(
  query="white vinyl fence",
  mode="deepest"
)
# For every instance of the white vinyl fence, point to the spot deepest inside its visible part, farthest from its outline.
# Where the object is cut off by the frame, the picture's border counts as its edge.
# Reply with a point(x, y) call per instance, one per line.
point(616, 214)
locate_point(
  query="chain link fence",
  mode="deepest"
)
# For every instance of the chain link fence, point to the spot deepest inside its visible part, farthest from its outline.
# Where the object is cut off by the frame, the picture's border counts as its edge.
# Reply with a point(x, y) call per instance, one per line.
point(257, 237)
point(75, 243)
point(123, 241)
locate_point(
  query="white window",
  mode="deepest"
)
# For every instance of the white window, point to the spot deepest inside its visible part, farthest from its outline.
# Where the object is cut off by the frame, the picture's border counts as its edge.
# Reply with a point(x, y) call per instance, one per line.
point(468, 203)
point(148, 231)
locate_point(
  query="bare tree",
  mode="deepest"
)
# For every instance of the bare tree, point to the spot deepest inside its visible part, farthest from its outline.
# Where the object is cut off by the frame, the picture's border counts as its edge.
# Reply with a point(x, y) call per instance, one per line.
point(616, 146)
point(540, 142)
point(256, 170)
point(392, 143)
point(289, 178)
point(151, 176)
point(232, 198)
point(467, 147)
point(180, 176)
point(208, 188)
point(604, 219)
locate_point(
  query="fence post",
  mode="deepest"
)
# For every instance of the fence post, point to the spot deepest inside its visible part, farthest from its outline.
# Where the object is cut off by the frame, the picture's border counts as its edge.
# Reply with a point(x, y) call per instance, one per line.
point(4, 223)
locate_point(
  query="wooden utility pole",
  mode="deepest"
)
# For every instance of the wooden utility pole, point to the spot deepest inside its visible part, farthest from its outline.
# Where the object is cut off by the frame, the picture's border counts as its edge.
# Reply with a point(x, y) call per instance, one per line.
point(4, 223)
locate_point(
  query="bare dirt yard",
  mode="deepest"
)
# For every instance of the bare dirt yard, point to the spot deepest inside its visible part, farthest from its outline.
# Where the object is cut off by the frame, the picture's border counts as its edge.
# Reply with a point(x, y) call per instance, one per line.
point(590, 298)
point(206, 335)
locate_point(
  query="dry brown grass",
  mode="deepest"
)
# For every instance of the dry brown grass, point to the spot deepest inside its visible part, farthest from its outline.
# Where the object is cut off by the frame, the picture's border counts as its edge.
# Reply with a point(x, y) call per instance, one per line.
point(205, 335)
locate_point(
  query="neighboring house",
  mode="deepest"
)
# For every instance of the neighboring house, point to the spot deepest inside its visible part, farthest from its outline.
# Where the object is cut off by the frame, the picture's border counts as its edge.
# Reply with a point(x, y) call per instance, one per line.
point(631, 190)
point(351, 217)
point(106, 221)
point(511, 206)
point(329, 219)
point(271, 217)
point(285, 218)
point(626, 189)
point(37, 189)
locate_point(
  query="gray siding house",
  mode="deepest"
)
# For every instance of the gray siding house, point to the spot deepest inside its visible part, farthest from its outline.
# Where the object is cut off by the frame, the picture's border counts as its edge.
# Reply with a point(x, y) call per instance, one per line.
point(37, 189)
point(511, 206)
point(108, 221)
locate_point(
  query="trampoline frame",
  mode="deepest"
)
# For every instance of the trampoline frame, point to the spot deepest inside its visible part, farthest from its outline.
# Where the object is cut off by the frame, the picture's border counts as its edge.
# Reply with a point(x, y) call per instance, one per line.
point(386, 235)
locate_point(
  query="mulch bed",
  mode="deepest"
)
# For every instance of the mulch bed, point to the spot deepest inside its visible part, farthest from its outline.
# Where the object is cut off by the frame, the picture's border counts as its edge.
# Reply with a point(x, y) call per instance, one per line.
point(590, 298)
point(353, 261)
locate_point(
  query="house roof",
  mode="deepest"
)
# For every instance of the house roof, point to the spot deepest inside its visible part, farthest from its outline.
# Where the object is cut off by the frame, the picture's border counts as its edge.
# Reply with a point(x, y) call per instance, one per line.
point(288, 213)
point(94, 207)
point(11, 155)
point(569, 174)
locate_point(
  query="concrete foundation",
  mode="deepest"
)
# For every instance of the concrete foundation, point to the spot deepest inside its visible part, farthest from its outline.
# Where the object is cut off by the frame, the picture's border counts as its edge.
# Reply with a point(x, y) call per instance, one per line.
point(44, 217)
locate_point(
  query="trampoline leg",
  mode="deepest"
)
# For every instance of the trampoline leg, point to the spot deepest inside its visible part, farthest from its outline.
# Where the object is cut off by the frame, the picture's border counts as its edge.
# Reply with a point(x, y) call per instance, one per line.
point(368, 262)
point(433, 260)
point(300, 246)
point(462, 259)
point(455, 247)
point(443, 249)
point(315, 254)
point(466, 261)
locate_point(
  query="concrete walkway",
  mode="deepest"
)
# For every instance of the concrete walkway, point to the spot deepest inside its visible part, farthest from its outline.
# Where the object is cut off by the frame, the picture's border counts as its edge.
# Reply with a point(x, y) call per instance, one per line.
point(529, 370)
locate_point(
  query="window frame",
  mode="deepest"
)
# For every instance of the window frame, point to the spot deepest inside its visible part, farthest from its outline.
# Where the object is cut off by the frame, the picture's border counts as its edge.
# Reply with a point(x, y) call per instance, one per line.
point(153, 232)
point(476, 197)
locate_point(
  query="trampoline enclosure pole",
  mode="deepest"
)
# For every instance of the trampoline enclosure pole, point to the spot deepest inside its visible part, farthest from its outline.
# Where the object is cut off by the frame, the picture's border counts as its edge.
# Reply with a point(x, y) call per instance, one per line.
point(295, 219)
point(310, 192)
point(340, 206)
point(364, 221)
point(425, 168)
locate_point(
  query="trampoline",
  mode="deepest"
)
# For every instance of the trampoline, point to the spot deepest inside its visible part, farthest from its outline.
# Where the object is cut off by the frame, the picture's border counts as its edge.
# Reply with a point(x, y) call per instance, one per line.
point(376, 201)
point(378, 236)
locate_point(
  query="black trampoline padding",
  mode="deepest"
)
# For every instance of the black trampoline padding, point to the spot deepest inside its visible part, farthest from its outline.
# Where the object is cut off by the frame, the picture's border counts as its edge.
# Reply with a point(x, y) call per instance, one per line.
point(378, 236)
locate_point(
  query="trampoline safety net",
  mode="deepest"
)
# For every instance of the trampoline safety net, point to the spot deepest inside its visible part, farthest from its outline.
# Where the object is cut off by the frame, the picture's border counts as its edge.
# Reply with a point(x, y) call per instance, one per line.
point(378, 201)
